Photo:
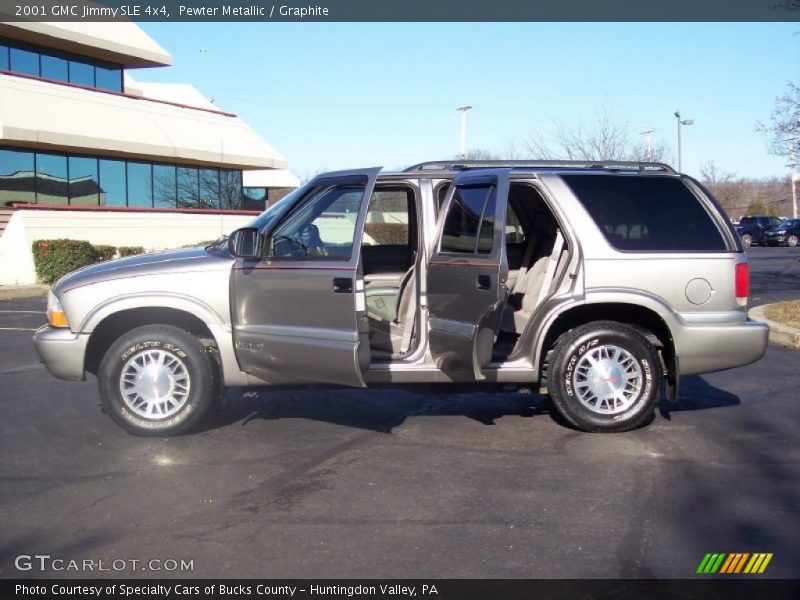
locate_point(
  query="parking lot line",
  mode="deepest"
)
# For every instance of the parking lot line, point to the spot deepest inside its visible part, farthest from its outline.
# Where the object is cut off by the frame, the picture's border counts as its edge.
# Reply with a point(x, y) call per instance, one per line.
point(17, 328)
point(28, 312)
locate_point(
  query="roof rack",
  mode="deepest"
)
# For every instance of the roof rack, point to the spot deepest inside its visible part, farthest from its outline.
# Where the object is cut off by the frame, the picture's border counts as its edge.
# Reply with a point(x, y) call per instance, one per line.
point(606, 165)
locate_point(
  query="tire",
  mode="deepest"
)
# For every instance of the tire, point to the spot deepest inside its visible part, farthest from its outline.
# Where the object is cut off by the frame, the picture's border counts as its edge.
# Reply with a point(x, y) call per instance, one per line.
point(747, 240)
point(156, 380)
point(792, 241)
point(593, 401)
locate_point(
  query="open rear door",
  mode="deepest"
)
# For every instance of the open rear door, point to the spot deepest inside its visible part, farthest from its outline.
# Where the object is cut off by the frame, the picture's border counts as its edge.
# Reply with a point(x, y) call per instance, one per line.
point(467, 273)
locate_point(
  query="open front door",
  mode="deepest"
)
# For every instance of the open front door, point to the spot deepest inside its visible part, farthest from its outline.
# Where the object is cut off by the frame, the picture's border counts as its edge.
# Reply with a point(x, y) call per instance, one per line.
point(299, 313)
point(467, 273)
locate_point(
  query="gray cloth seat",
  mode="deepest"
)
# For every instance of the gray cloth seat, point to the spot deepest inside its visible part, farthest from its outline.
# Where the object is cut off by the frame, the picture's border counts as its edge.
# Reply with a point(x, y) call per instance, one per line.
point(533, 284)
point(391, 326)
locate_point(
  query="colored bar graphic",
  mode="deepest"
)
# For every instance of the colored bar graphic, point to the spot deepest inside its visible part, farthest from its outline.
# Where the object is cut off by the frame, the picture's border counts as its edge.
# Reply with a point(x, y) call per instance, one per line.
point(729, 564)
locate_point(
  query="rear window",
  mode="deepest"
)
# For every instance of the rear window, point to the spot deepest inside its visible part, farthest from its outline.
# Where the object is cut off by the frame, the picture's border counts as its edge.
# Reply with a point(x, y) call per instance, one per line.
point(647, 214)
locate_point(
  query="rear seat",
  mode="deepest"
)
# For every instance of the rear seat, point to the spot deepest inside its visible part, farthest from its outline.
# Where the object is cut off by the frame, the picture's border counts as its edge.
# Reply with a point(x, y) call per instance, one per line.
point(540, 268)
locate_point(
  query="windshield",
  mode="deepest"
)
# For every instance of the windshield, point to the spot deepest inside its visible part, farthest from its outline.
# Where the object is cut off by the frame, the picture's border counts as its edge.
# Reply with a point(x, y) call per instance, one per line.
point(266, 218)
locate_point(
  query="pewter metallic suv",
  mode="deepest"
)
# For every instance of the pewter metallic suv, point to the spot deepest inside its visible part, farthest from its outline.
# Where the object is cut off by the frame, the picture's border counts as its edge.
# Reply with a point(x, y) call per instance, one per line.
point(601, 283)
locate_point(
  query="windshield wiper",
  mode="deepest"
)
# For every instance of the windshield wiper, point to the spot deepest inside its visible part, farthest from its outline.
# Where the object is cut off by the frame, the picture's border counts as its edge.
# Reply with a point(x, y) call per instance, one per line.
point(218, 243)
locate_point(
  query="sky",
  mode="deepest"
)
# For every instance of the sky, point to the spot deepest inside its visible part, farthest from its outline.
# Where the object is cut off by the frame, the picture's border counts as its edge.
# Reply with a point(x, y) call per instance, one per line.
point(347, 95)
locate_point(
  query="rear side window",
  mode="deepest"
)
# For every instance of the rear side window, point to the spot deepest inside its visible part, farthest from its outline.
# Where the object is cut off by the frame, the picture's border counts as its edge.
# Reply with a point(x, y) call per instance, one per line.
point(647, 214)
point(469, 224)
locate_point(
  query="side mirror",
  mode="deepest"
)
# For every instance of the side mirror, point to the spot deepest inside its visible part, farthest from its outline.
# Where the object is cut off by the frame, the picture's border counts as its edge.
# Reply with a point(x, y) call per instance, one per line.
point(247, 243)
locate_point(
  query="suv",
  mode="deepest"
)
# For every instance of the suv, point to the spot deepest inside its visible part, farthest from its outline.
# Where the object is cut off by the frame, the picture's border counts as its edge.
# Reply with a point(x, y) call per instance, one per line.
point(752, 229)
point(602, 283)
point(787, 232)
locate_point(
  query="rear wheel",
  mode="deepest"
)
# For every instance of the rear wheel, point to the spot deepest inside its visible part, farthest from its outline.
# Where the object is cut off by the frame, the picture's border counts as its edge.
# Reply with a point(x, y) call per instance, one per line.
point(747, 240)
point(605, 377)
point(156, 380)
point(792, 241)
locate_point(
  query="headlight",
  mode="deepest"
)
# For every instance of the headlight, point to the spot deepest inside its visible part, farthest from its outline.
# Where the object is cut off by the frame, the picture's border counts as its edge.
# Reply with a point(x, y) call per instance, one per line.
point(55, 314)
point(781, 232)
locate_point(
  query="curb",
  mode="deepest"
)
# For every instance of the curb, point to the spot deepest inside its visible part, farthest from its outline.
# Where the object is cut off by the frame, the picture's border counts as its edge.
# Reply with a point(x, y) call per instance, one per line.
point(779, 333)
point(15, 292)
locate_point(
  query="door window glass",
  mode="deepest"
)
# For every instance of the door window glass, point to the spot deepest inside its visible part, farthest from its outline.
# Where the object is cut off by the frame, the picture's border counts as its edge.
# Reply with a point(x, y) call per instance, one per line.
point(471, 211)
point(322, 228)
point(388, 218)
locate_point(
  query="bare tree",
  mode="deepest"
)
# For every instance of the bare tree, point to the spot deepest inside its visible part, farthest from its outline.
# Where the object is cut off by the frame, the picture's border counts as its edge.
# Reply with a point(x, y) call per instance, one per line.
point(783, 131)
point(722, 184)
point(606, 137)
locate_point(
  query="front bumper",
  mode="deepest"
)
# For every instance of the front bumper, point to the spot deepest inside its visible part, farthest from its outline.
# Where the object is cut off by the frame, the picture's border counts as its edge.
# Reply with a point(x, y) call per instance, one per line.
point(61, 351)
point(709, 348)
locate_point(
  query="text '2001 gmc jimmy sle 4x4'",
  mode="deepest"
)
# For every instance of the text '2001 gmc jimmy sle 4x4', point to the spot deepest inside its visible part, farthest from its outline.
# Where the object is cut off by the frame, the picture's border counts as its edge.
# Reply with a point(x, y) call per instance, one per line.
point(603, 283)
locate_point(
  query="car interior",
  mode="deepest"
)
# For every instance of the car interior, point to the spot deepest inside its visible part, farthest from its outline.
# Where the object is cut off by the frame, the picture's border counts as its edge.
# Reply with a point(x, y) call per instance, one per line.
point(389, 251)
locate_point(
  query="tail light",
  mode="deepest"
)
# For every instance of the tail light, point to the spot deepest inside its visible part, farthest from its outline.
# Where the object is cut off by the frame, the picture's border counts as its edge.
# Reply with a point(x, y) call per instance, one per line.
point(742, 283)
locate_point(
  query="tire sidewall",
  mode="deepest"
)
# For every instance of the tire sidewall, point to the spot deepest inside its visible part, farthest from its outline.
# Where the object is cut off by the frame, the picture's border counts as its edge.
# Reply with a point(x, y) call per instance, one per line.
point(568, 357)
point(172, 341)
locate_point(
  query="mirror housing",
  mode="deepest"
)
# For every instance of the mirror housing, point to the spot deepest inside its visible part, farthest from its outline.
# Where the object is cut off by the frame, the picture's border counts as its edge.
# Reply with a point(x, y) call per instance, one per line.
point(247, 243)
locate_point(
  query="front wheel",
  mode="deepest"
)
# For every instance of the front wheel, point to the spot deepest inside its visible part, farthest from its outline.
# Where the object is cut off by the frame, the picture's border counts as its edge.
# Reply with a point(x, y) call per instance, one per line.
point(156, 380)
point(747, 240)
point(605, 377)
point(792, 241)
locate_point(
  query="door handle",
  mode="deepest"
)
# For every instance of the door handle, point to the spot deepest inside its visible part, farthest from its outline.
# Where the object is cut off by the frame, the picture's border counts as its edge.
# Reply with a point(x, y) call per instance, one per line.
point(342, 285)
point(484, 282)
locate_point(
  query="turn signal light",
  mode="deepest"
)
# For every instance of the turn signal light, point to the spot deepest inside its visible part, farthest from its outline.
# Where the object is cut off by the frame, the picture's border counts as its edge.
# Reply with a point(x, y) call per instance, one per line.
point(55, 314)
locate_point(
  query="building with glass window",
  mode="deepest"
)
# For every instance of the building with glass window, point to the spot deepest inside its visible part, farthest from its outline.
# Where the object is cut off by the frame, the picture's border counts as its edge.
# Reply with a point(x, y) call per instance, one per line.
point(77, 130)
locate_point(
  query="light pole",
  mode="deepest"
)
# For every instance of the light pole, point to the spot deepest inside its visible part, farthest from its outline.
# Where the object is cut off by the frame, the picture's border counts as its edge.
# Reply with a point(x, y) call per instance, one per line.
point(463, 110)
point(684, 122)
point(795, 176)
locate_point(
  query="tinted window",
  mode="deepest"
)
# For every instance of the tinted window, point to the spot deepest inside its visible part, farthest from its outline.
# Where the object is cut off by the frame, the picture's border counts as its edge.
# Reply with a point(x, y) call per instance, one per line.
point(54, 67)
point(108, 77)
point(323, 227)
point(24, 61)
point(388, 217)
point(647, 213)
point(51, 179)
point(81, 73)
point(486, 235)
point(83, 186)
point(463, 219)
point(254, 198)
point(188, 191)
point(3, 57)
point(209, 188)
point(230, 192)
point(112, 182)
point(17, 182)
point(164, 186)
point(140, 184)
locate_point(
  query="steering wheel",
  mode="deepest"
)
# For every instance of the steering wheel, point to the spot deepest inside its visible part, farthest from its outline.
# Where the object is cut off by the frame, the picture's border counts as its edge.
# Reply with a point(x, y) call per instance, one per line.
point(310, 238)
point(289, 246)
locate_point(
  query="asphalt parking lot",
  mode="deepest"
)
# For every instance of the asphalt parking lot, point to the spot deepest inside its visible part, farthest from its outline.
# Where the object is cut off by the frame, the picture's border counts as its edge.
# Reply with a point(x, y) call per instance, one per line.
point(406, 482)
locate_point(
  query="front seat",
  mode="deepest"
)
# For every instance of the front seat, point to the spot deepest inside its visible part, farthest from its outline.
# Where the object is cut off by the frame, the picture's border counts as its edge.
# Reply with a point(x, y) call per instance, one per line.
point(391, 313)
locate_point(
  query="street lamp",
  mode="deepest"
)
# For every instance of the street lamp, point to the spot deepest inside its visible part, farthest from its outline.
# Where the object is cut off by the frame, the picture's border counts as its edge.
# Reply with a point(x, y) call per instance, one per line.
point(795, 176)
point(463, 110)
point(684, 122)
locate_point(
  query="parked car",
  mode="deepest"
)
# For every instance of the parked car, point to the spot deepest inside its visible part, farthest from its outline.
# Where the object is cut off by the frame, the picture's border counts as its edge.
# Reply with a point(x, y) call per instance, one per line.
point(601, 283)
point(752, 228)
point(786, 233)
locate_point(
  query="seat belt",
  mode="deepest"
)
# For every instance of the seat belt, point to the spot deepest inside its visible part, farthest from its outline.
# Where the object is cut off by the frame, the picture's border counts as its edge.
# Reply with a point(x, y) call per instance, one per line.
point(408, 318)
point(558, 246)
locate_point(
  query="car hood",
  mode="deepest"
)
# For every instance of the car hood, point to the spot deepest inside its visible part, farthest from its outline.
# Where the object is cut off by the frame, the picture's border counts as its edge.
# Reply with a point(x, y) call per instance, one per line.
point(170, 261)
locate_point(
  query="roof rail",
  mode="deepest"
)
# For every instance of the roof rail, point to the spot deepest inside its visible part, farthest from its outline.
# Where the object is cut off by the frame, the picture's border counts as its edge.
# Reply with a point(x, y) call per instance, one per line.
point(607, 165)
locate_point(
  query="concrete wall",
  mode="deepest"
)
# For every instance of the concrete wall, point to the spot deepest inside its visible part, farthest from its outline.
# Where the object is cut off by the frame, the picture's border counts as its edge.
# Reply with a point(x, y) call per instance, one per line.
point(153, 230)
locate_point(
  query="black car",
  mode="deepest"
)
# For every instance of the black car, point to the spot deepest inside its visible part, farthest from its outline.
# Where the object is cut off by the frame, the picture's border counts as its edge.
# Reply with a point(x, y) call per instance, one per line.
point(751, 229)
point(785, 234)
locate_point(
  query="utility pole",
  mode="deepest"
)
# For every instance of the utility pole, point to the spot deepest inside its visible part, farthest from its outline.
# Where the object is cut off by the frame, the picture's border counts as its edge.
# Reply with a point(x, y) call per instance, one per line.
point(648, 156)
point(684, 122)
point(463, 110)
point(795, 177)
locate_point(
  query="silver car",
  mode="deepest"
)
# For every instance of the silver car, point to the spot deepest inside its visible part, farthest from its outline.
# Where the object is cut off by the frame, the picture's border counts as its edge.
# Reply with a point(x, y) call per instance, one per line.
point(602, 283)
